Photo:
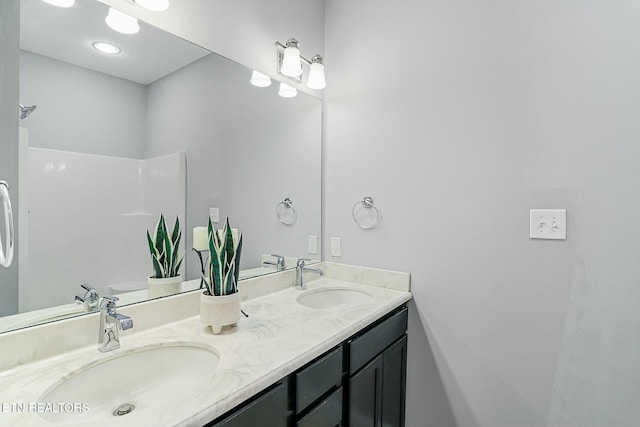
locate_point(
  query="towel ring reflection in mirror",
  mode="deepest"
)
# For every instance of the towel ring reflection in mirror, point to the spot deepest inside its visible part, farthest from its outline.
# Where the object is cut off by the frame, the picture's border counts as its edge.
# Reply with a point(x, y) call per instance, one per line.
point(284, 207)
point(6, 251)
point(366, 203)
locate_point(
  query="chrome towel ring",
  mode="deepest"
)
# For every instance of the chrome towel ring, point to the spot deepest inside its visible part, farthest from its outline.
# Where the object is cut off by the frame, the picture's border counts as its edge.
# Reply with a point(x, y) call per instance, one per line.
point(283, 207)
point(6, 257)
point(367, 203)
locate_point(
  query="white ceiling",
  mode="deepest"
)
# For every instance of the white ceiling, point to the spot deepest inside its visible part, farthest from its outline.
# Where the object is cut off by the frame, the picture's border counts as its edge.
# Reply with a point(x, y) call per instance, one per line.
point(66, 34)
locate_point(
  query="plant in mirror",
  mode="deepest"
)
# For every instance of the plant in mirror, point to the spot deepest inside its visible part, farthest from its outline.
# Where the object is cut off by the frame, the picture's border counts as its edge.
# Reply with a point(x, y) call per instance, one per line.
point(120, 139)
point(165, 248)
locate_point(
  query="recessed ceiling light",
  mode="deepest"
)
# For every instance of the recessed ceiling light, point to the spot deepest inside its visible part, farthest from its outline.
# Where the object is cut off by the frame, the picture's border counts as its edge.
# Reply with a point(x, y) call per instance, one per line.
point(61, 3)
point(154, 5)
point(105, 47)
point(121, 22)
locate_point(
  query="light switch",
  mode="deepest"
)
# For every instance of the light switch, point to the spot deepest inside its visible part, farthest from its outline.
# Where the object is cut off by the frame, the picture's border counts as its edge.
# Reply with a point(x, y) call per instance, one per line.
point(214, 214)
point(336, 249)
point(313, 245)
point(548, 224)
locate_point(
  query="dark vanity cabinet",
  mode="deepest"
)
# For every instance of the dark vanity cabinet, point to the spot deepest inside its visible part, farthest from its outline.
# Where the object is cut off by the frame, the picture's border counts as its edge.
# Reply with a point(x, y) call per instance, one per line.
point(359, 383)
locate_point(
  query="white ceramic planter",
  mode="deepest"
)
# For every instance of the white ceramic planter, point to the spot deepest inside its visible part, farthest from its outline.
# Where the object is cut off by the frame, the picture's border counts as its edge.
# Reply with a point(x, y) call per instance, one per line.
point(163, 287)
point(219, 311)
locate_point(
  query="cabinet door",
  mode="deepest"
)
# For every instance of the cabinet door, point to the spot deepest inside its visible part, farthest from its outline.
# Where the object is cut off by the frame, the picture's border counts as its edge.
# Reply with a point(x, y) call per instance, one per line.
point(365, 395)
point(377, 392)
point(394, 376)
point(268, 410)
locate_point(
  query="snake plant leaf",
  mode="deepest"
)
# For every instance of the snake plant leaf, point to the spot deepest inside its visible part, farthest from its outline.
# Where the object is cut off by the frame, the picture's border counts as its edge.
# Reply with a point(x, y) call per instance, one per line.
point(176, 233)
point(168, 252)
point(164, 249)
point(215, 269)
point(157, 268)
point(158, 236)
point(229, 249)
point(173, 260)
point(237, 261)
point(230, 281)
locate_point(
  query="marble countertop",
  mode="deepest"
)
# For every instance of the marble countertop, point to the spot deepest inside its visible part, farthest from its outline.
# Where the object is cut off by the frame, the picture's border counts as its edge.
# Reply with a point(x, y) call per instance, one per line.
point(277, 338)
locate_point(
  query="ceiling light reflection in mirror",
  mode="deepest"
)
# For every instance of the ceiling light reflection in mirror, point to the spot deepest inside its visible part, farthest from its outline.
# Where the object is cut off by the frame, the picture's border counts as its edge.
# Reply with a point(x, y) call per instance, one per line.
point(106, 47)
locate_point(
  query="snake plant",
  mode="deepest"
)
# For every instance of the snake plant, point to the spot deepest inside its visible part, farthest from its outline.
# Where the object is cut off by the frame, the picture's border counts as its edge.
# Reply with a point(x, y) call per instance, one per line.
point(164, 249)
point(225, 247)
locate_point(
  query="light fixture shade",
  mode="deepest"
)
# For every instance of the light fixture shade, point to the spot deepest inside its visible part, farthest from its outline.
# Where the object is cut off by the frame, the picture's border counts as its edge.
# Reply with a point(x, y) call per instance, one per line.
point(287, 91)
point(121, 22)
point(106, 47)
point(61, 3)
point(259, 79)
point(154, 5)
point(316, 76)
point(291, 66)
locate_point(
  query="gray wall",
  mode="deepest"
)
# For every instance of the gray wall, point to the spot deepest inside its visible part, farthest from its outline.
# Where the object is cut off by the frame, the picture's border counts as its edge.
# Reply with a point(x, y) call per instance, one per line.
point(81, 110)
point(9, 46)
point(458, 117)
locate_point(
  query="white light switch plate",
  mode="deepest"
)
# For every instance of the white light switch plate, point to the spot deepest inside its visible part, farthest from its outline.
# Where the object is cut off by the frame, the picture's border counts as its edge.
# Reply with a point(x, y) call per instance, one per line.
point(214, 214)
point(313, 245)
point(548, 224)
point(336, 249)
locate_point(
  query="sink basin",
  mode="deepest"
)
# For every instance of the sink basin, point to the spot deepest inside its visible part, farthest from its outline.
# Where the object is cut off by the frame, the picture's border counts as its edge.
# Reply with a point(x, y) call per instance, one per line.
point(333, 297)
point(131, 384)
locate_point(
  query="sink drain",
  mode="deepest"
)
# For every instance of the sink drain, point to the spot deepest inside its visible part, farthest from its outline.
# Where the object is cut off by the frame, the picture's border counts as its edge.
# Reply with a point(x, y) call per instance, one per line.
point(123, 409)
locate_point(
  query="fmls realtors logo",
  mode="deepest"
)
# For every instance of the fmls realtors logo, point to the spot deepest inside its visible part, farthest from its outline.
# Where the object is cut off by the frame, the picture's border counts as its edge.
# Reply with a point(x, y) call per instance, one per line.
point(41, 407)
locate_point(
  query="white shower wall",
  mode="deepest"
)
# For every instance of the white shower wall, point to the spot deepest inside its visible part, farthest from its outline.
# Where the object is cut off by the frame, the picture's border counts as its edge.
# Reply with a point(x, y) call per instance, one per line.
point(88, 215)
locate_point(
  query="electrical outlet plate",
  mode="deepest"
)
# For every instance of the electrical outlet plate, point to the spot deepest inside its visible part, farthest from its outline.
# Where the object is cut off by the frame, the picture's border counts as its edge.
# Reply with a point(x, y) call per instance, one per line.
point(214, 214)
point(336, 249)
point(548, 224)
point(313, 245)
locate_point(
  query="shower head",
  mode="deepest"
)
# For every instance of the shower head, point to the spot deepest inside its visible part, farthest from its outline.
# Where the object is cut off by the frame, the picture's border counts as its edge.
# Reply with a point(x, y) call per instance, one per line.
point(25, 111)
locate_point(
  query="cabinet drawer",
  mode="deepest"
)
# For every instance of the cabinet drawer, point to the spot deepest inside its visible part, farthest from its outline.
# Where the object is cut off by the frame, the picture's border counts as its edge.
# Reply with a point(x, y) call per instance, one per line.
point(327, 414)
point(366, 346)
point(318, 378)
point(268, 410)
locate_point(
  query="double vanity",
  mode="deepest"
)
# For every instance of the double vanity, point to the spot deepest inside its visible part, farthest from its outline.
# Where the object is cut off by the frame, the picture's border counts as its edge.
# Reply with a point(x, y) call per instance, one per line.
point(333, 354)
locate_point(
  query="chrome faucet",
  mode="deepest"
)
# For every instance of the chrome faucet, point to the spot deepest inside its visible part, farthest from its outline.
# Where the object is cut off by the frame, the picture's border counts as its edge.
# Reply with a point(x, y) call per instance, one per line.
point(110, 324)
point(279, 263)
point(301, 268)
point(90, 300)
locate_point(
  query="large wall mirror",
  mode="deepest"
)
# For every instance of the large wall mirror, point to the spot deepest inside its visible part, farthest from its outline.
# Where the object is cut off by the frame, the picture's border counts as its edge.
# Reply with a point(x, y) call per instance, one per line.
point(163, 126)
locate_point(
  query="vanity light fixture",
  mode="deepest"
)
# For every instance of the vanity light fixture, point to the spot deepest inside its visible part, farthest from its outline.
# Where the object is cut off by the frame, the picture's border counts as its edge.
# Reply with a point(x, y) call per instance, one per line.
point(153, 5)
point(106, 47)
point(260, 80)
point(61, 3)
point(316, 73)
point(287, 91)
point(290, 64)
point(121, 22)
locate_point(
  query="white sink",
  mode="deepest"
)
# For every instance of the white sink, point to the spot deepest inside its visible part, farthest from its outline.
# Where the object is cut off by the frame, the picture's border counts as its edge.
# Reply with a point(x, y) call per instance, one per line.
point(149, 378)
point(333, 297)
